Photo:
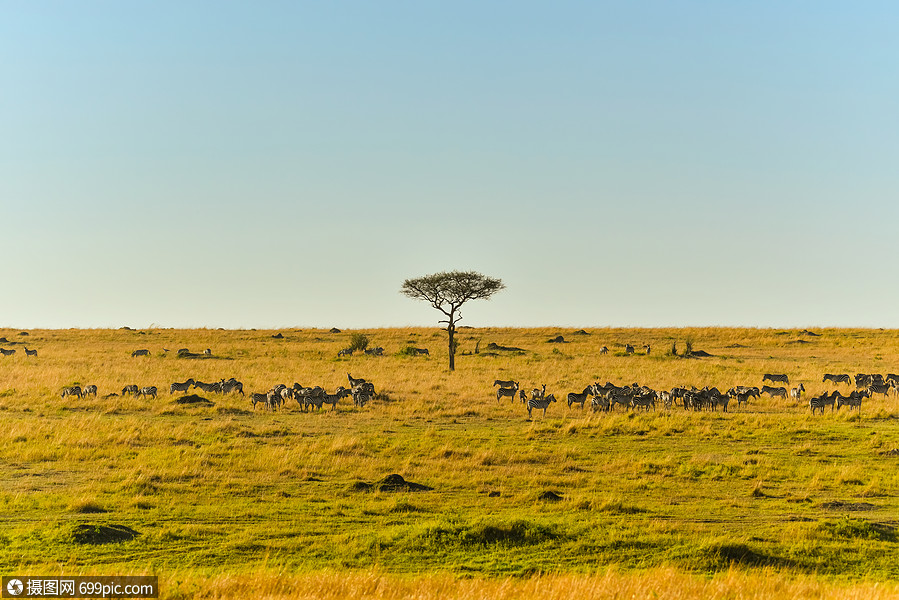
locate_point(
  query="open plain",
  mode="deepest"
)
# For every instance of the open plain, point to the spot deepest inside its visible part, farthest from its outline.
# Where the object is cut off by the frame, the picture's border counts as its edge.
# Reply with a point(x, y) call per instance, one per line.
point(221, 499)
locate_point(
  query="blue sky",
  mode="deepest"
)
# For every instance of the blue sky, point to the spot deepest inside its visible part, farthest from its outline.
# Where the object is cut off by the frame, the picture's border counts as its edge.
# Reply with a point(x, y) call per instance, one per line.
point(277, 164)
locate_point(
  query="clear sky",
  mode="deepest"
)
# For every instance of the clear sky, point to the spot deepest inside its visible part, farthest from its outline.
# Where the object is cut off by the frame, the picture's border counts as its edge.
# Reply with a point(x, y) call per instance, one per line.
point(280, 164)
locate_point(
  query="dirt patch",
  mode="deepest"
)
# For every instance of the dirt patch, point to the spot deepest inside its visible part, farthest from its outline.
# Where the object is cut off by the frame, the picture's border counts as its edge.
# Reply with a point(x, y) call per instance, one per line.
point(95, 533)
point(851, 506)
point(194, 399)
point(396, 483)
point(495, 346)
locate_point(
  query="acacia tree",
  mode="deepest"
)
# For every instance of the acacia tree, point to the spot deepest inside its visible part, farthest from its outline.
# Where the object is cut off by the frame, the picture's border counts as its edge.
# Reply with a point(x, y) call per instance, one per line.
point(447, 292)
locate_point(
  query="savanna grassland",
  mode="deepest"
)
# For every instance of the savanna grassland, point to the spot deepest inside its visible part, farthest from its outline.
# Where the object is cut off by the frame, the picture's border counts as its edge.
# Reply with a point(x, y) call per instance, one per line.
point(222, 500)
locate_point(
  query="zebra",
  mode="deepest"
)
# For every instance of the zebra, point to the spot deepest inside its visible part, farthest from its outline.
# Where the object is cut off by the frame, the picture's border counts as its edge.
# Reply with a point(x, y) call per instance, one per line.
point(628, 349)
point(645, 401)
point(361, 395)
point(150, 390)
point(796, 392)
point(90, 389)
point(580, 398)
point(354, 381)
point(511, 392)
point(75, 390)
point(841, 378)
point(505, 383)
point(143, 352)
point(740, 395)
point(344, 352)
point(647, 348)
point(183, 351)
point(130, 389)
point(421, 352)
point(604, 350)
point(543, 403)
point(884, 389)
point(819, 402)
point(538, 393)
point(775, 391)
point(207, 352)
point(181, 387)
point(853, 400)
point(332, 399)
point(259, 398)
point(600, 403)
point(619, 397)
point(209, 387)
point(774, 378)
point(379, 351)
point(232, 385)
point(30, 352)
point(6, 352)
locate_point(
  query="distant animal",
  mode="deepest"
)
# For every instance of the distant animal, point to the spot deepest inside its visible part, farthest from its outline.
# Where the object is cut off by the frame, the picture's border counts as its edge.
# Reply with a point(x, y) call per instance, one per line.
point(421, 351)
point(354, 381)
point(345, 352)
point(505, 383)
point(332, 399)
point(775, 378)
point(207, 352)
point(90, 390)
point(257, 398)
point(74, 390)
point(604, 350)
point(796, 392)
point(130, 389)
point(30, 352)
point(841, 378)
point(143, 352)
point(628, 349)
point(6, 352)
point(149, 390)
point(538, 403)
point(647, 348)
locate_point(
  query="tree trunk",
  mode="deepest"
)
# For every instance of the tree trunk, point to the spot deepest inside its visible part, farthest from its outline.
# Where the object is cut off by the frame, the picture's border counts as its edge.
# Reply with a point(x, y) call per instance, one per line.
point(451, 330)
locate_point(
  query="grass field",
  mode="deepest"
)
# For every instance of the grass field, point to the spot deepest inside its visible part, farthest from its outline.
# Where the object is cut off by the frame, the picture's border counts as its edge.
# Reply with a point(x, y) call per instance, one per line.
point(225, 501)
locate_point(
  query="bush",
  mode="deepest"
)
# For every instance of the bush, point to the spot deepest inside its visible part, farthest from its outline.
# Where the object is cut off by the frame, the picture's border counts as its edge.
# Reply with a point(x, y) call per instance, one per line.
point(358, 341)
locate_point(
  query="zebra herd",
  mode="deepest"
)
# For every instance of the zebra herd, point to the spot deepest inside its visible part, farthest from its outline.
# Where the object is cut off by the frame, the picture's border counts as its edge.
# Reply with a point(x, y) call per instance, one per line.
point(608, 396)
point(314, 398)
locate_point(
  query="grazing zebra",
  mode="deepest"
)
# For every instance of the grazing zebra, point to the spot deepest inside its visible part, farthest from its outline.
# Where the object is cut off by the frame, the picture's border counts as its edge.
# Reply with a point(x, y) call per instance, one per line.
point(776, 378)
point(580, 398)
point(841, 378)
point(344, 352)
point(130, 389)
point(90, 389)
point(628, 349)
point(181, 387)
point(604, 350)
point(505, 383)
point(150, 390)
point(354, 381)
point(543, 403)
point(796, 392)
point(775, 391)
point(740, 395)
point(30, 352)
point(379, 351)
point(511, 392)
point(6, 352)
point(421, 351)
point(140, 353)
point(75, 390)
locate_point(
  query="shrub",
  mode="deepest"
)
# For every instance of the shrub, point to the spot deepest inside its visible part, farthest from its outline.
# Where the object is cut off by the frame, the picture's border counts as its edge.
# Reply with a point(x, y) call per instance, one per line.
point(358, 341)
